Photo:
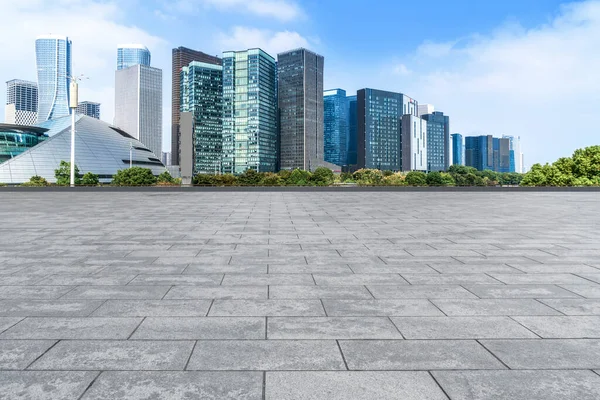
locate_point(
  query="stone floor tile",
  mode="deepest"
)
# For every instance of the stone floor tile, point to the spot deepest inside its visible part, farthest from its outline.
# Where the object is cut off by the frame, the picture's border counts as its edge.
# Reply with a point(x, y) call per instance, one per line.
point(130, 355)
point(309, 269)
point(551, 279)
point(358, 279)
point(589, 291)
point(18, 354)
point(153, 308)
point(399, 355)
point(461, 328)
point(530, 385)
point(76, 280)
point(177, 385)
point(318, 292)
point(263, 308)
point(44, 385)
point(547, 353)
point(225, 269)
point(118, 292)
point(33, 292)
point(555, 268)
point(421, 292)
point(331, 328)
point(267, 355)
point(268, 279)
point(574, 306)
point(179, 328)
point(72, 328)
point(180, 280)
point(380, 308)
point(577, 327)
point(7, 322)
point(218, 292)
point(449, 279)
point(520, 291)
point(381, 385)
point(493, 307)
point(48, 308)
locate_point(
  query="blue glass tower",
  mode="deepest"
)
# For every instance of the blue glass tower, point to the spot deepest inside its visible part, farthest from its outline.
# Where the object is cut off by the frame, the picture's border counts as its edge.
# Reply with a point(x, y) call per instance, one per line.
point(352, 131)
point(457, 149)
point(487, 152)
point(129, 55)
point(336, 126)
point(53, 59)
point(438, 141)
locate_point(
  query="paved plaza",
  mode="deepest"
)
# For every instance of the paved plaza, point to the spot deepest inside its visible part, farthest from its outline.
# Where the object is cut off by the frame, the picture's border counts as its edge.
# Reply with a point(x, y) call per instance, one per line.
point(332, 295)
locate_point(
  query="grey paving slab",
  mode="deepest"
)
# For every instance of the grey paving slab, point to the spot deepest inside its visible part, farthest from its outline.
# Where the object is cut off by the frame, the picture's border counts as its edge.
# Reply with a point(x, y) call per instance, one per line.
point(421, 292)
point(33, 292)
point(331, 328)
point(379, 308)
point(118, 292)
point(271, 308)
point(474, 268)
point(461, 328)
point(555, 268)
point(576, 327)
point(180, 328)
point(153, 308)
point(309, 269)
point(72, 328)
point(44, 385)
point(130, 355)
point(194, 280)
point(136, 269)
point(218, 292)
point(177, 385)
point(547, 353)
point(19, 280)
point(493, 307)
point(358, 279)
point(225, 269)
point(267, 355)
point(270, 279)
point(530, 385)
point(18, 354)
point(391, 269)
point(520, 291)
point(319, 292)
point(48, 308)
point(6, 322)
point(553, 279)
point(449, 279)
point(75, 280)
point(416, 355)
point(382, 385)
point(575, 306)
point(590, 291)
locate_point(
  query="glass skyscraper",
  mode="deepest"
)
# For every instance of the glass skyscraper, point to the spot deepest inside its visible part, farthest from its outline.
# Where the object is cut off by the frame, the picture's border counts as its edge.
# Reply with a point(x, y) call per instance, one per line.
point(379, 132)
point(487, 153)
point(457, 149)
point(21, 102)
point(300, 100)
point(438, 141)
point(249, 112)
point(53, 59)
point(202, 95)
point(515, 153)
point(129, 55)
point(336, 126)
point(89, 108)
point(352, 126)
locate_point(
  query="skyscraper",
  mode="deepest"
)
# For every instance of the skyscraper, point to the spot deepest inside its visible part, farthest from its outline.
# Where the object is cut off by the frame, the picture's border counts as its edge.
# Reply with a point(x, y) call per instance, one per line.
point(53, 59)
point(300, 101)
point(487, 153)
point(89, 108)
point(516, 155)
point(336, 126)
point(379, 132)
point(182, 57)
point(138, 104)
point(21, 102)
point(202, 95)
point(249, 112)
point(129, 55)
point(457, 149)
point(438, 141)
point(425, 109)
point(414, 143)
point(352, 126)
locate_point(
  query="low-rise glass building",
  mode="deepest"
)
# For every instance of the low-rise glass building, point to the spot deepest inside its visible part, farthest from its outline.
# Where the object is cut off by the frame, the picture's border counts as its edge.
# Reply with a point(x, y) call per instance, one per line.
point(15, 139)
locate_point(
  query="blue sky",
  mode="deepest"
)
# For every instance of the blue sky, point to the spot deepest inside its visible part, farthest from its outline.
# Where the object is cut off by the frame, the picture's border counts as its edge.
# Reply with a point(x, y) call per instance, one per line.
point(524, 68)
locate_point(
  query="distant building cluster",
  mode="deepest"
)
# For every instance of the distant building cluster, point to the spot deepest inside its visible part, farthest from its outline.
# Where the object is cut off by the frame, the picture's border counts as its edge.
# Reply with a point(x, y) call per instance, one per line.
point(250, 110)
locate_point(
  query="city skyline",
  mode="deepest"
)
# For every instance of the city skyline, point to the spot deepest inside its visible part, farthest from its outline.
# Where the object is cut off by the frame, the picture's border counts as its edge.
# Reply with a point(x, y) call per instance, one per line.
point(434, 54)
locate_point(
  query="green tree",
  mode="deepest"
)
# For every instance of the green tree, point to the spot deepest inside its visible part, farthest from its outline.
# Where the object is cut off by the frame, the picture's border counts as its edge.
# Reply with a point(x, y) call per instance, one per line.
point(535, 176)
point(36, 181)
point(367, 177)
point(225, 180)
point(461, 170)
point(63, 174)
point(90, 179)
point(165, 178)
point(387, 172)
point(271, 179)
point(299, 177)
point(397, 179)
point(322, 177)
point(346, 177)
point(434, 179)
point(586, 162)
point(416, 178)
point(284, 174)
point(135, 176)
point(493, 177)
point(250, 177)
point(204, 180)
point(447, 179)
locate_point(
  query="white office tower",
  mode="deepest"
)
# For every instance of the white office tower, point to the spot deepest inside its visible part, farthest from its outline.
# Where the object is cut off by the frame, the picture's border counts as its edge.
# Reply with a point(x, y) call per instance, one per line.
point(21, 102)
point(414, 143)
point(138, 104)
point(425, 109)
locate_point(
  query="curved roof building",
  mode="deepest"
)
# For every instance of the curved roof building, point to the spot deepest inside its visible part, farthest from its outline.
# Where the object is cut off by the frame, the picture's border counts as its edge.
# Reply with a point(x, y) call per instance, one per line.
point(99, 148)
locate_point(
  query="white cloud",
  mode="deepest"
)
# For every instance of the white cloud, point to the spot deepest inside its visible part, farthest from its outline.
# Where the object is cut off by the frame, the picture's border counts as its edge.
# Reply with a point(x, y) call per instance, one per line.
point(282, 10)
point(541, 84)
point(241, 38)
point(95, 28)
point(402, 69)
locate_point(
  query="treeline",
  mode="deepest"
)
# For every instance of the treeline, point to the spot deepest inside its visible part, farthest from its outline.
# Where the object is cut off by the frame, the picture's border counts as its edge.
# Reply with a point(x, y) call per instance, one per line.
point(582, 169)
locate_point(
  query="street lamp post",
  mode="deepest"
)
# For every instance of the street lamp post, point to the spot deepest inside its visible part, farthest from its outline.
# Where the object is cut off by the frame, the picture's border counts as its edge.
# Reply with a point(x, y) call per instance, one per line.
point(130, 154)
point(73, 103)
